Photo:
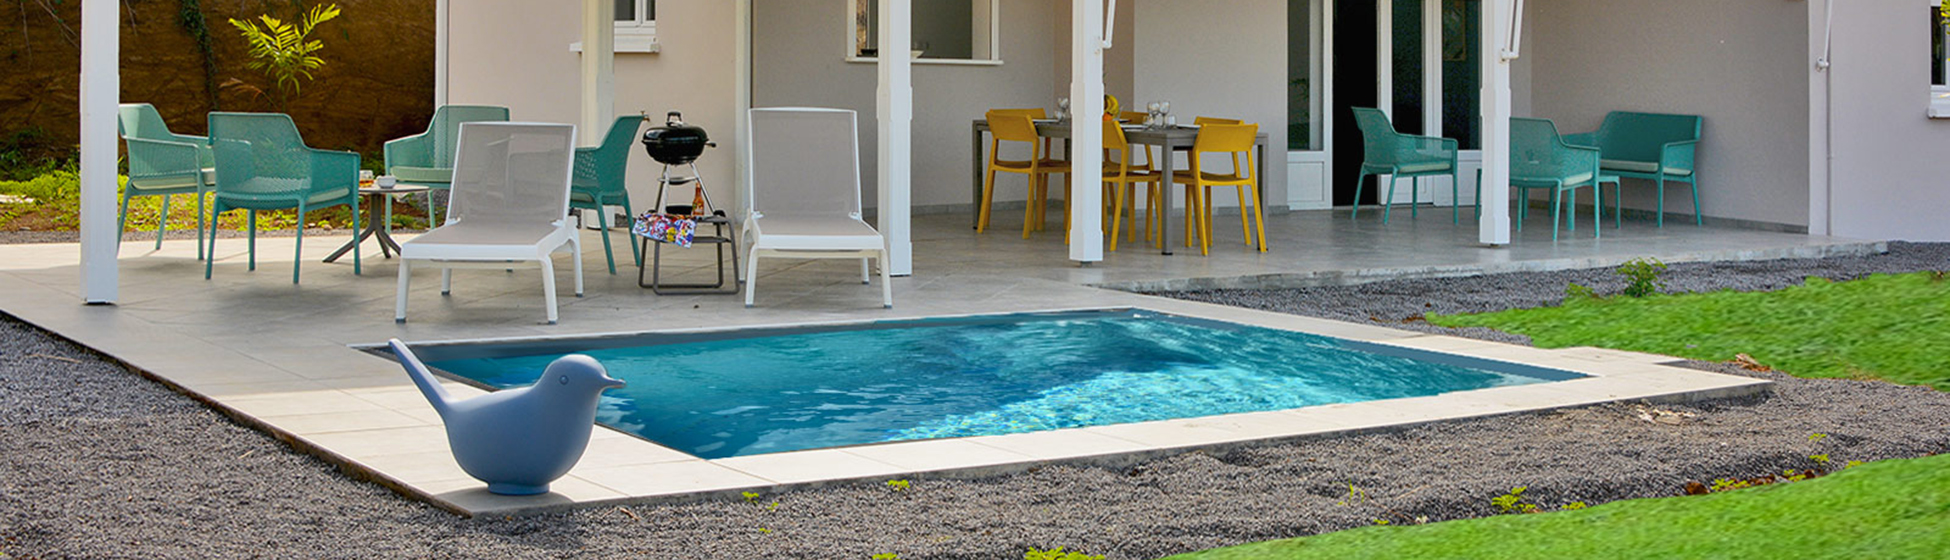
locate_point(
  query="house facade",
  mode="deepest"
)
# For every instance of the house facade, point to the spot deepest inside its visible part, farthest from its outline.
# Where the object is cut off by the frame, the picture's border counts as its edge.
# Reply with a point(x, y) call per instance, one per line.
point(1821, 116)
point(1846, 148)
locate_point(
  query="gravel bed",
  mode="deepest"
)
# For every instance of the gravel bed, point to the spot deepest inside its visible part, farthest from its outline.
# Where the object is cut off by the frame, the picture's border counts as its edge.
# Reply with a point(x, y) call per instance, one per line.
point(96, 462)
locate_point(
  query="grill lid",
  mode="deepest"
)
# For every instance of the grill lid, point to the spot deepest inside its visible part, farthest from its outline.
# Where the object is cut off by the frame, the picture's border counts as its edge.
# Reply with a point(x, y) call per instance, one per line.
point(675, 143)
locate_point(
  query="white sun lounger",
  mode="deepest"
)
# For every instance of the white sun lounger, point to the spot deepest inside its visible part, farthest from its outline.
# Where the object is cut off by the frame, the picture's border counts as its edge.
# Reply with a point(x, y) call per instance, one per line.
point(805, 203)
point(509, 210)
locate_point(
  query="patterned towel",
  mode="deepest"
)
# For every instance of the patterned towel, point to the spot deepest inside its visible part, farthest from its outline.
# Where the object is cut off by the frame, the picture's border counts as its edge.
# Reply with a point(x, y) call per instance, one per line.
point(666, 228)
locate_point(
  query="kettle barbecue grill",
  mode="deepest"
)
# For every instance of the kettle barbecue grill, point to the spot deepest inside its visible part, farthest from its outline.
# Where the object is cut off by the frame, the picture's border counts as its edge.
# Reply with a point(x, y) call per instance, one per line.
point(679, 144)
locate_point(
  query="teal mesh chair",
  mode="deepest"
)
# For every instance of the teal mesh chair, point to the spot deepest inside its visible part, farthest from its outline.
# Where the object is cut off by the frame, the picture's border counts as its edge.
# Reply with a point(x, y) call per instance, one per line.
point(1403, 156)
point(163, 163)
point(1653, 146)
point(427, 158)
point(598, 179)
point(262, 164)
point(1540, 159)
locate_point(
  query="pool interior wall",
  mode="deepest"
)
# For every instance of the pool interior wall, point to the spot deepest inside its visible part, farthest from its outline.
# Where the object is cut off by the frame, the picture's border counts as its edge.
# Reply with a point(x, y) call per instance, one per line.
point(728, 393)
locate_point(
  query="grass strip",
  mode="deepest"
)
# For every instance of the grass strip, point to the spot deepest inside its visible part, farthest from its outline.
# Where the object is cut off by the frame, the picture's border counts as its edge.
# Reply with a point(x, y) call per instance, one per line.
point(1888, 509)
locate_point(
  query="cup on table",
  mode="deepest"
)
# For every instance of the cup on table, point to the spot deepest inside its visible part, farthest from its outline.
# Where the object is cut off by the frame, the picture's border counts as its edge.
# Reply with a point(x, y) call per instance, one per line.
point(385, 181)
point(1171, 120)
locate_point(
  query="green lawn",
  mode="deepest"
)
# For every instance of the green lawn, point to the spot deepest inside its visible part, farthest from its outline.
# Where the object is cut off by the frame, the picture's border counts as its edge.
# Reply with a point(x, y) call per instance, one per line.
point(1894, 328)
point(1889, 509)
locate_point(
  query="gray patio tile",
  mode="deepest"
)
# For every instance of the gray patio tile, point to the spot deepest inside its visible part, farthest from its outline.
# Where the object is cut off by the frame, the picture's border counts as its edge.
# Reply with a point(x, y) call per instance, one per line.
point(676, 477)
point(936, 455)
point(808, 466)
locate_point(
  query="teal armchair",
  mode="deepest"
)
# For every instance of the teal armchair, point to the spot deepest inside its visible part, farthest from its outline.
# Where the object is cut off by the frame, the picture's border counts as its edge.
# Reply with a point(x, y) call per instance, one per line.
point(427, 158)
point(163, 163)
point(599, 177)
point(1540, 159)
point(1398, 155)
point(262, 164)
point(1653, 146)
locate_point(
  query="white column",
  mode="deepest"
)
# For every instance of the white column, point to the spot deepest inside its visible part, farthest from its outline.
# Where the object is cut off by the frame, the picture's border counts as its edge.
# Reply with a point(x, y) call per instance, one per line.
point(896, 115)
point(1495, 226)
point(1086, 131)
point(742, 81)
point(598, 69)
point(441, 35)
point(101, 84)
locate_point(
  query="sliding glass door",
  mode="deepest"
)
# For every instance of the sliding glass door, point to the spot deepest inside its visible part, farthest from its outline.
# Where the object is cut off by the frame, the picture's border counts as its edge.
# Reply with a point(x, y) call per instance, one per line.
point(1417, 60)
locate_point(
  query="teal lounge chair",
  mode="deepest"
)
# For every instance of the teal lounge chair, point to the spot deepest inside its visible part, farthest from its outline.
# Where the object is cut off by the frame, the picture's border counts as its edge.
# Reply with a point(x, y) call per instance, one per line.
point(163, 163)
point(1652, 146)
point(598, 179)
point(262, 164)
point(427, 158)
point(1400, 155)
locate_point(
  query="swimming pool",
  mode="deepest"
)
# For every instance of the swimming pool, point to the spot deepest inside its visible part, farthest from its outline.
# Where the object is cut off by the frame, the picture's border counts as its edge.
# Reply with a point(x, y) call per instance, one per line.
point(749, 392)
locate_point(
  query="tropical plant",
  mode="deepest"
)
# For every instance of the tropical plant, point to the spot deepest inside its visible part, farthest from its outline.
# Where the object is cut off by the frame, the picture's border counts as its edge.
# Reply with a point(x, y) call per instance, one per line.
point(283, 50)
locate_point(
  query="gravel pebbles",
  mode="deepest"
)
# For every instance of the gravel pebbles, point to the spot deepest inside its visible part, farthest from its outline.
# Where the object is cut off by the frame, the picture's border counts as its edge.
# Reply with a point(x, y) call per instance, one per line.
point(96, 462)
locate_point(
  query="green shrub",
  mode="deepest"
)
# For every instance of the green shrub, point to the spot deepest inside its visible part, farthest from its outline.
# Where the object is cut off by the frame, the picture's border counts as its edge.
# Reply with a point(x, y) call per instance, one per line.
point(1642, 276)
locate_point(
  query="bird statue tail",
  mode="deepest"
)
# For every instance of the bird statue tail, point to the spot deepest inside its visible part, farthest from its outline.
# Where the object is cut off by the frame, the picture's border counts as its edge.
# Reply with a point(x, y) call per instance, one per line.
point(423, 377)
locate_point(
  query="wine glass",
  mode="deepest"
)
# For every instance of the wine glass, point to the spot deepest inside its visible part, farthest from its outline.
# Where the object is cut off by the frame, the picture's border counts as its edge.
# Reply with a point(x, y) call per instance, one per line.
point(1063, 109)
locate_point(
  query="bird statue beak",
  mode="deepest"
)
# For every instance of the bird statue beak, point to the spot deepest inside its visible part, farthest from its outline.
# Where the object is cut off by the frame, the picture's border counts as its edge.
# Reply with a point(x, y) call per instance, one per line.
point(611, 382)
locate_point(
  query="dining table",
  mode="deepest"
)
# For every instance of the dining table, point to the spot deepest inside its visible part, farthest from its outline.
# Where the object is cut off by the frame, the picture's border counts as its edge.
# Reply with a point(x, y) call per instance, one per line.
point(1172, 139)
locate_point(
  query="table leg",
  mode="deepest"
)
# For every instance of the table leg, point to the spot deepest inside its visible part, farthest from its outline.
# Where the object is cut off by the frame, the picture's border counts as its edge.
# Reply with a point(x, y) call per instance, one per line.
point(369, 231)
point(1170, 159)
point(386, 242)
point(975, 194)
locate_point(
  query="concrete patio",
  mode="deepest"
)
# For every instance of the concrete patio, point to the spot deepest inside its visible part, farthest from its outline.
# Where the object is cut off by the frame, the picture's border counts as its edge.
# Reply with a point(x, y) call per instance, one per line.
point(282, 357)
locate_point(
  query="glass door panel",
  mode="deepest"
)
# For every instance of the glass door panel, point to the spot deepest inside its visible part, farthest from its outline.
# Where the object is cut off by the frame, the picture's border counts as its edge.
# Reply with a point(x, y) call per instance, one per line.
point(1462, 65)
point(1407, 59)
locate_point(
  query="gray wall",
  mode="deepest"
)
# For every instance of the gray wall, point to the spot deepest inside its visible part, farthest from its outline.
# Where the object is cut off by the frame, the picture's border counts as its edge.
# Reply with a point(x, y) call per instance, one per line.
point(515, 53)
point(799, 49)
point(1736, 62)
point(1891, 164)
point(1219, 58)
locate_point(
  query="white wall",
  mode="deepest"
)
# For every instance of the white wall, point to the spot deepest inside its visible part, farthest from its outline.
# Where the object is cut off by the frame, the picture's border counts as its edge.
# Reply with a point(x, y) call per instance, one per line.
point(515, 53)
point(799, 49)
point(1218, 58)
point(1739, 63)
point(1891, 165)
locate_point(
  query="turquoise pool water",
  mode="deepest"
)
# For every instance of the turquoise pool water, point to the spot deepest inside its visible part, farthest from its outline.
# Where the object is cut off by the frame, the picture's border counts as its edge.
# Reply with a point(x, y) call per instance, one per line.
point(720, 395)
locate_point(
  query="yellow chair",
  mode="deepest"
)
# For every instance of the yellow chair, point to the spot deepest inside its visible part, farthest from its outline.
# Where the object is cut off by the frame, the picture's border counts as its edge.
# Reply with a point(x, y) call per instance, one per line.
point(1202, 121)
point(1036, 114)
point(1230, 139)
point(1121, 178)
point(1016, 126)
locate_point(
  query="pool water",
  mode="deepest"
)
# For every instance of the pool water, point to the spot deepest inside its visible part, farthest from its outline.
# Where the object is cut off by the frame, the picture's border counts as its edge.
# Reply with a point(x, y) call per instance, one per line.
point(734, 394)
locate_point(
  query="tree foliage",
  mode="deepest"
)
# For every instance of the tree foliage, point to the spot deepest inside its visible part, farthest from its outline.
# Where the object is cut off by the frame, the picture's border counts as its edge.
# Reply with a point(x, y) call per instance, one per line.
point(283, 50)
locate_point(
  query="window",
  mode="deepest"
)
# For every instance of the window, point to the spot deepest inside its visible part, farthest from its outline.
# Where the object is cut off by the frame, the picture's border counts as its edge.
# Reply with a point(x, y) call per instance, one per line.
point(1939, 62)
point(945, 31)
point(636, 27)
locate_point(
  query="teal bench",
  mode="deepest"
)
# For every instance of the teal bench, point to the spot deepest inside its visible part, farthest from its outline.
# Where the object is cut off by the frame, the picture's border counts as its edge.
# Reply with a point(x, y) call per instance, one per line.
point(1652, 146)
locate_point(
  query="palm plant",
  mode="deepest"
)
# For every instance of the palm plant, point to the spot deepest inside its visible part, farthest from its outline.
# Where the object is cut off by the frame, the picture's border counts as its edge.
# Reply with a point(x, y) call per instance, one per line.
point(281, 49)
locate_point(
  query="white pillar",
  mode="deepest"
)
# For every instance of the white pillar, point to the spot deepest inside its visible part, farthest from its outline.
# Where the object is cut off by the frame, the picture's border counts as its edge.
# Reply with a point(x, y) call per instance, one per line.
point(101, 84)
point(1495, 226)
point(441, 35)
point(1086, 131)
point(896, 150)
point(598, 69)
point(742, 82)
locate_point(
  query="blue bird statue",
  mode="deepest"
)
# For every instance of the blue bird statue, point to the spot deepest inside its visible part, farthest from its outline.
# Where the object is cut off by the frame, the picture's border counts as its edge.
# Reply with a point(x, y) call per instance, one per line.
point(519, 440)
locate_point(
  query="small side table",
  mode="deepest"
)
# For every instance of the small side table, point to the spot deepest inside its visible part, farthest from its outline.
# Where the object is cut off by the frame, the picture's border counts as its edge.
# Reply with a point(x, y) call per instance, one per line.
point(723, 236)
point(381, 228)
